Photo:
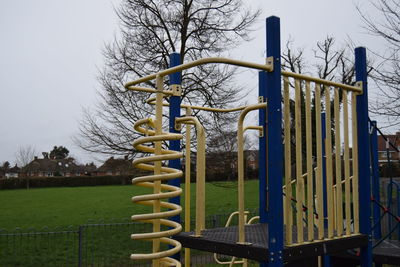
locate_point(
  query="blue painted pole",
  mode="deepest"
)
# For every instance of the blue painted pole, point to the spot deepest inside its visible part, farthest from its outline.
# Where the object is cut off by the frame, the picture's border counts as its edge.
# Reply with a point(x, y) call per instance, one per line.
point(363, 156)
point(275, 147)
point(262, 155)
point(174, 112)
point(375, 181)
point(327, 258)
point(262, 158)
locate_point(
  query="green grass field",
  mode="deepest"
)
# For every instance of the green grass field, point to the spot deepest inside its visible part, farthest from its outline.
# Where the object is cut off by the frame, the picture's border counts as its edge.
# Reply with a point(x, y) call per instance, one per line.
point(79, 205)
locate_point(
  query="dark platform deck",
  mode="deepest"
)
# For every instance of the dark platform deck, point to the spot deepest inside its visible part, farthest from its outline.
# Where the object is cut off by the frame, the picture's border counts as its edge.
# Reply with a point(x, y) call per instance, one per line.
point(223, 241)
point(387, 252)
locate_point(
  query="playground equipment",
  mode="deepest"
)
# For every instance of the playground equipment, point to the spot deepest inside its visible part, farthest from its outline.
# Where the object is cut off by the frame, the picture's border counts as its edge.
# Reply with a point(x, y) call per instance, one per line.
point(305, 217)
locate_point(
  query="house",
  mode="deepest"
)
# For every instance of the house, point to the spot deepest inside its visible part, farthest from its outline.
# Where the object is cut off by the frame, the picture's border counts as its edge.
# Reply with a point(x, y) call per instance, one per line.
point(13, 172)
point(383, 151)
point(49, 167)
point(116, 166)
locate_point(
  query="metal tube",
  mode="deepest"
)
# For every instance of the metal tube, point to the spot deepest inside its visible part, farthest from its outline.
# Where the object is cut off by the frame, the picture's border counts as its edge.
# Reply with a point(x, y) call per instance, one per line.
point(151, 101)
point(288, 164)
point(338, 165)
point(310, 185)
point(187, 184)
point(328, 149)
point(198, 62)
point(346, 162)
point(327, 83)
point(355, 163)
point(200, 172)
point(319, 177)
point(157, 165)
point(299, 165)
point(241, 168)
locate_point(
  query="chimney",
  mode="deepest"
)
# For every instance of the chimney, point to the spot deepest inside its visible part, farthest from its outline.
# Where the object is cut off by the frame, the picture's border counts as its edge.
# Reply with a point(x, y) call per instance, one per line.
point(35, 158)
point(126, 157)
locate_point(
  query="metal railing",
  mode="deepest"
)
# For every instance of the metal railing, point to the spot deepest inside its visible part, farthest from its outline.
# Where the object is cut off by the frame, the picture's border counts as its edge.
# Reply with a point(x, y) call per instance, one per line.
point(92, 244)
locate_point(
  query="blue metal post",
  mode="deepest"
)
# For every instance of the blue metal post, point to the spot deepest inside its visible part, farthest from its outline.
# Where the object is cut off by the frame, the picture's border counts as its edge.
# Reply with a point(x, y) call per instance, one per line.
point(262, 157)
point(375, 182)
point(175, 111)
point(375, 179)
point(363, 156)
point(275, 147)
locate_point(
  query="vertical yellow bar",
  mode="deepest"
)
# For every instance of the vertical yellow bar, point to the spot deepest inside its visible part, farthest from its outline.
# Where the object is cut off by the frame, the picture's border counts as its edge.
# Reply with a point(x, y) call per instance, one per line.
point(346, 161)
point(355, 163)
point(310, 185)
point(157, 164)
point(319, 177)
point(338, 165)
point(187, 184)
point(328, 149)
point(299, 165)
point(200, 177)
point(288, 213)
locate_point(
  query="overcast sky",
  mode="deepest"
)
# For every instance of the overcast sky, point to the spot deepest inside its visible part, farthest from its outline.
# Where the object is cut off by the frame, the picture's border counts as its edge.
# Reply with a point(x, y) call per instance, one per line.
point(50, 51)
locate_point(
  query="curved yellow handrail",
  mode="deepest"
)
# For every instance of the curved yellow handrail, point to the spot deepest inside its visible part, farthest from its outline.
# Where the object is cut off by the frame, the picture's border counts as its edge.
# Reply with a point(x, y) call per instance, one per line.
point(151, 101)
point(200, 171)
point(241, 168)
point(203, 61)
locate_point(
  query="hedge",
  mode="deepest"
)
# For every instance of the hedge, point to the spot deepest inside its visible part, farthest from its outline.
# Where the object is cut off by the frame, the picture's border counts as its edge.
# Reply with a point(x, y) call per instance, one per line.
point(39, 182)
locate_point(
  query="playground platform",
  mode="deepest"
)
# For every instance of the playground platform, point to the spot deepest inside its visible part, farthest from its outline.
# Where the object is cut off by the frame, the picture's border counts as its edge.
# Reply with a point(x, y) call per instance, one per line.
point(224, 241)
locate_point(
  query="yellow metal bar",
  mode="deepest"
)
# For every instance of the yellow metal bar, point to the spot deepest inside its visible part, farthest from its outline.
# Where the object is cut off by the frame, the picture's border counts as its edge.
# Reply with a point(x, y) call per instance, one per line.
point(288, 212)
point(266, 67)
point(299, 165)
point(200, 172)
point(319, 177)
point(310, 185)
point(149, 90)
point(327, 83)
point(355, 163)
point(151, 101)
point(338, 165)
point(187, 183)
point(241, 168)
point(157, 165)
point(328, 149)
point(346, 163)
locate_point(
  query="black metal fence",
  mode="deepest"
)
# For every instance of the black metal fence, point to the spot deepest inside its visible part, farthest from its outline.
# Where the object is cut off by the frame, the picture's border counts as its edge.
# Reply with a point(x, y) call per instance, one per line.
point(100, 244)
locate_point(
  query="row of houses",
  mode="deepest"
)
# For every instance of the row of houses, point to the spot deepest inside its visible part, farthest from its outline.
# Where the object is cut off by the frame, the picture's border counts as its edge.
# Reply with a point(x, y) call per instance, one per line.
point(49, 167)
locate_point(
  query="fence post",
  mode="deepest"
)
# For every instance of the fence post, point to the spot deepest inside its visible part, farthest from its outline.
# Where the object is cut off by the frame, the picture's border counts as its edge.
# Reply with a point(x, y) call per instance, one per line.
point(80, 245)
point(363, 156)
point(274, 146)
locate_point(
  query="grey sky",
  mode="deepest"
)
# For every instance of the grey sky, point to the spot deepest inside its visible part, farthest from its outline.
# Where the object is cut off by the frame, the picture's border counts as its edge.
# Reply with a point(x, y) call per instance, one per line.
point(50, 51)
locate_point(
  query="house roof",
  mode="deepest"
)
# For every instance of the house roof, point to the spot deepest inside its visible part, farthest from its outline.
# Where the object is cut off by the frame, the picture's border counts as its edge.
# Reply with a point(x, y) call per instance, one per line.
point(53, 165)
point(393, 138)
point(14, 169)
point(122, 165)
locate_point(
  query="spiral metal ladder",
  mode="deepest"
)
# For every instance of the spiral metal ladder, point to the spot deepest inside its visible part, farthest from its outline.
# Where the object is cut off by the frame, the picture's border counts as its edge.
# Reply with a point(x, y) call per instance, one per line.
point(151, 145)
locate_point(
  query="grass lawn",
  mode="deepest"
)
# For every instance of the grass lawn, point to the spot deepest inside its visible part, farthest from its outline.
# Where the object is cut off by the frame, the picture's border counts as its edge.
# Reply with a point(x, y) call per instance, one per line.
point(79, 205)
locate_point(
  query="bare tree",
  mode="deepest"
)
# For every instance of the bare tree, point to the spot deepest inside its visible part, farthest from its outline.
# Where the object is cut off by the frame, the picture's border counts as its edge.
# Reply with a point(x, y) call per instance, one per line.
point(386, 72)
point(150, 31)
point(24, 155)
